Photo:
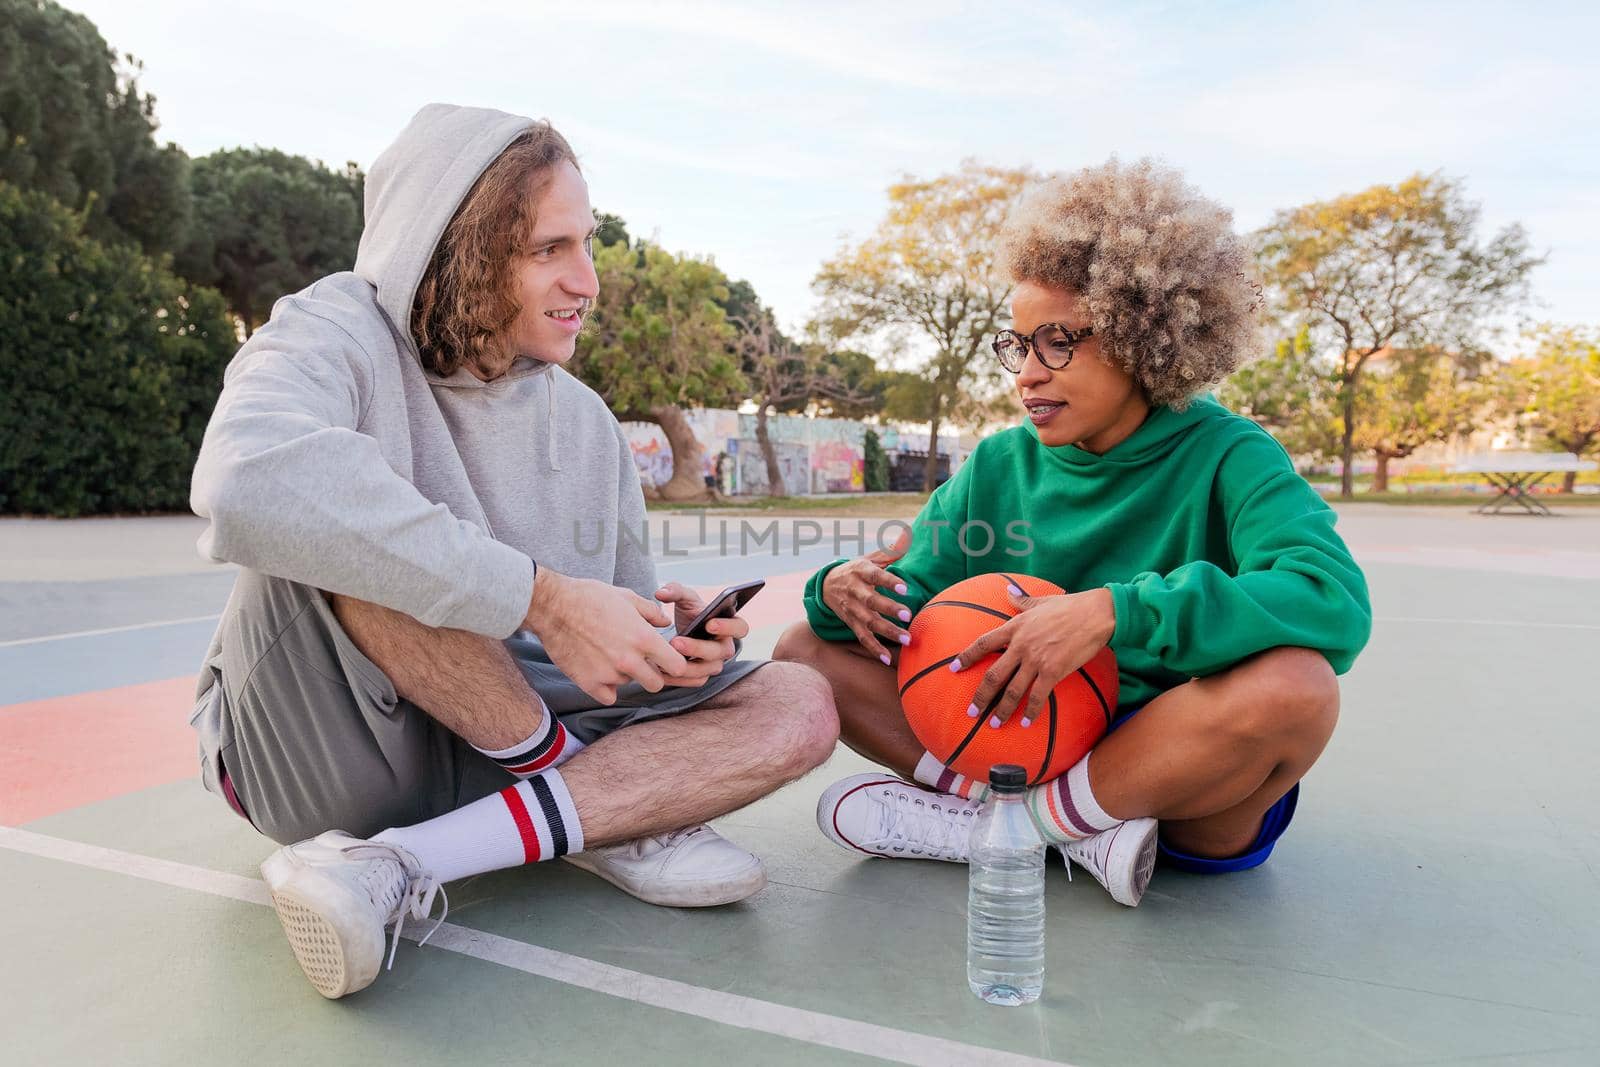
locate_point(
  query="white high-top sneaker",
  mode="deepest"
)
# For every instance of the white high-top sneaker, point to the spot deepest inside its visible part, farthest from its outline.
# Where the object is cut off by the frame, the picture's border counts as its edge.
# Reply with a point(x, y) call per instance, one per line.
point(882, 815)
point(695, 867)
point(334, 894)
point(1121, 859)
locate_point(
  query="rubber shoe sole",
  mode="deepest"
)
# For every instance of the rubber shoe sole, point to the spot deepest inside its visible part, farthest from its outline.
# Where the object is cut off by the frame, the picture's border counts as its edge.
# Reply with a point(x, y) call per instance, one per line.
point(337, 946)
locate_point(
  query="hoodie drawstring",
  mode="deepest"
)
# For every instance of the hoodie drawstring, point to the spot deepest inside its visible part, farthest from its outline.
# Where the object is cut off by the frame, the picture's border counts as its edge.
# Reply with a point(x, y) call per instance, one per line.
point(550, 417)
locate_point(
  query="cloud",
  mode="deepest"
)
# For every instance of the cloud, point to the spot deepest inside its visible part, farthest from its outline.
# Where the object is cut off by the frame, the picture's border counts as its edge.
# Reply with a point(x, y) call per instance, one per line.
point(758, 133)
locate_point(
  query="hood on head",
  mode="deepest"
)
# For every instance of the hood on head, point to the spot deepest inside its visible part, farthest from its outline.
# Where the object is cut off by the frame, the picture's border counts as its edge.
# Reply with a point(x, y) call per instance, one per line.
point(413, 190)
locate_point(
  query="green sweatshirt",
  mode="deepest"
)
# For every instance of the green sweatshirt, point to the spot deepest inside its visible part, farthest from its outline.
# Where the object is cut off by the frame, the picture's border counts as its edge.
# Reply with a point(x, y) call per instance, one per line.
point(1213, 547)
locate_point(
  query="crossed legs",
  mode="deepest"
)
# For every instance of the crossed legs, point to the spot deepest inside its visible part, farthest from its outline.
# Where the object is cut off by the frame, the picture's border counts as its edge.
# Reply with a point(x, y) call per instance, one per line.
point(1208, 758)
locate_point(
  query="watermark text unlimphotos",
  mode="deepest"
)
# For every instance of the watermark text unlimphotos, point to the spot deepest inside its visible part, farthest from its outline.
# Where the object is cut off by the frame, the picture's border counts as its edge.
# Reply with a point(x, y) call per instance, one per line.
point(590, 537)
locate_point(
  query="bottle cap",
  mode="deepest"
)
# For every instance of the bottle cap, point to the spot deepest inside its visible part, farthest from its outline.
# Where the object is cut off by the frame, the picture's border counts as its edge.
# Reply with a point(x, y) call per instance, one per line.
point(1008, 778)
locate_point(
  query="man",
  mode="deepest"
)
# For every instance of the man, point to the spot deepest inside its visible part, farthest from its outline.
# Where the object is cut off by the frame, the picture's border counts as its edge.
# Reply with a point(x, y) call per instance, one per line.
point(423, 672)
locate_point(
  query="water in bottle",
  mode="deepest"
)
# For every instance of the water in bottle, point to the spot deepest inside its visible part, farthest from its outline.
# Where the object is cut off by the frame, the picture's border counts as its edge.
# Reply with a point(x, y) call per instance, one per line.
point(1005, 896)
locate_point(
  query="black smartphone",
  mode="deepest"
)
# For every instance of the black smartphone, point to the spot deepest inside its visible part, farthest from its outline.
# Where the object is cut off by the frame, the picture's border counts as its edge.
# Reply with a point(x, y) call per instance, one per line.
point(725, 605)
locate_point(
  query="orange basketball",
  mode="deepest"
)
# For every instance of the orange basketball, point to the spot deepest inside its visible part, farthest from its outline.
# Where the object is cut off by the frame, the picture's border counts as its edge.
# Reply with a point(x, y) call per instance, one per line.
point(936, 701)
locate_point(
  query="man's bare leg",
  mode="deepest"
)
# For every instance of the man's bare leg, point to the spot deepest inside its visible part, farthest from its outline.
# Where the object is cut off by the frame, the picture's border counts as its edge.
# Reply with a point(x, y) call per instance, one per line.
point(335, 894)
point(1207, 758)
point(762, 732)
point(866, 693)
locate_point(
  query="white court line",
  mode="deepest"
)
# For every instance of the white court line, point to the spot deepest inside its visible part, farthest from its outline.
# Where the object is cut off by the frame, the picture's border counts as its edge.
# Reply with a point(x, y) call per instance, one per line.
point(1492, 622)
point(729, 1009)
point(213, 618)
point(108, 630)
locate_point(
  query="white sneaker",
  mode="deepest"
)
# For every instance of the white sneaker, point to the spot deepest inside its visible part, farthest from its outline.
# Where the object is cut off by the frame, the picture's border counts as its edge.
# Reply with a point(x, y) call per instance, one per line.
point(695, 867)
point(885, 816)
point(1121, 859)
point(334, 894)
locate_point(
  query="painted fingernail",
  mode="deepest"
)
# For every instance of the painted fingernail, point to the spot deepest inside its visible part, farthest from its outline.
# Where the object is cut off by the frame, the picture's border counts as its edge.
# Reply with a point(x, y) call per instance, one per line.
point(955, 666)
point(1026, 723)
point(994, 722)
point(885, 658)
point(905, 615)
point(901, 589)
point(905, 639)
point(1015, 591)
point(972, 711)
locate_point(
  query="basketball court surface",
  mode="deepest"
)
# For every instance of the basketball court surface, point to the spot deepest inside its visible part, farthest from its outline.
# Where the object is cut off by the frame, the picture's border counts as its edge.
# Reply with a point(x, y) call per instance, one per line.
point(1437, 899)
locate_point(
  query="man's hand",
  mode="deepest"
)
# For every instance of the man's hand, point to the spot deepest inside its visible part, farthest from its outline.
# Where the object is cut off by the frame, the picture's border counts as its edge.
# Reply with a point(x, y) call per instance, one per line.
point(852, 590)
point(705, 658)
point(601, 636)
point(1054, 636)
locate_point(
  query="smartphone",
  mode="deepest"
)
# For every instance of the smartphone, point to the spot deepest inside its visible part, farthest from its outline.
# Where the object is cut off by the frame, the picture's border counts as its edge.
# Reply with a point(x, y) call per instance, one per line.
point(725, 605)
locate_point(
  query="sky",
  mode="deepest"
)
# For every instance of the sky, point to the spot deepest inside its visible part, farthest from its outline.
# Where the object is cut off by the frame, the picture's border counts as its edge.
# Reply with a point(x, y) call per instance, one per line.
point(765, 135)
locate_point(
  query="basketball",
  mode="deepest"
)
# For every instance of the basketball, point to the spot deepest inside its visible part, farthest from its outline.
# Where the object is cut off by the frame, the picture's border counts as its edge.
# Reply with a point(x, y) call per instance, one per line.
point(935, 700)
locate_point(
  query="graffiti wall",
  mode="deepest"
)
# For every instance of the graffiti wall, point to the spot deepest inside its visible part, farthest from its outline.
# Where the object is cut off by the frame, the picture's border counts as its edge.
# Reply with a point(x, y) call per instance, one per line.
point(815, 455)
point(792, 461)
point(838, 467)
point(652, 454)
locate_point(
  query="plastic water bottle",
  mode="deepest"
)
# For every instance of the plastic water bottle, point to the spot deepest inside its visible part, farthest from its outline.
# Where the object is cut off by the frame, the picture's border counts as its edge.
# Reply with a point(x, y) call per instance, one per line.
point(1005, 895)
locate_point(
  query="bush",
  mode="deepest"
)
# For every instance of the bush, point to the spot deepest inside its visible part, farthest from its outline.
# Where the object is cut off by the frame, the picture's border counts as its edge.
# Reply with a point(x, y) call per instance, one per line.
point(876, 461)
point(111, 366)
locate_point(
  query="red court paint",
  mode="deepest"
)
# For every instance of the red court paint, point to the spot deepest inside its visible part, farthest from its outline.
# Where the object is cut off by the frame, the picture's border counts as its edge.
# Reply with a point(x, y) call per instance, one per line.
point(778, 603)
point(69, 751)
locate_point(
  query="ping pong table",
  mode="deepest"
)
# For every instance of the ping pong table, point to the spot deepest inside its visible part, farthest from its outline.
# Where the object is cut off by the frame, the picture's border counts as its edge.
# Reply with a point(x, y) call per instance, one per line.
point(1515, 474)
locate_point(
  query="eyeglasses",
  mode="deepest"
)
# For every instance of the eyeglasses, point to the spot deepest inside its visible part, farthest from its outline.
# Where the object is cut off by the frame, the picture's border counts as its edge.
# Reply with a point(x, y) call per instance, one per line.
point(1052, 342)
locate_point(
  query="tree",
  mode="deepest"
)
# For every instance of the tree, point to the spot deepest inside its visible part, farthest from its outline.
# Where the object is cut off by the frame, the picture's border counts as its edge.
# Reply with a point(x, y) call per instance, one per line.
point(1290, 395)
point(74, 125)
point(929, 271)
point(610, 230)
point(267, 223)
point(907, 397)
point(1557, 391)
point(1392, 267)
point(784, 376)
point(876, 462)
point(1412, 399)
point(862, 386)
point(658, 342)
point(112, 367)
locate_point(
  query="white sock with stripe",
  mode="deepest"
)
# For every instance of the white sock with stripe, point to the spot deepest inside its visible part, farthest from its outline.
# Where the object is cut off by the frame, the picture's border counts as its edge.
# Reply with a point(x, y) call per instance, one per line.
point(549, 746)
point(930, 772)
point(1065, 809)
point(528, 822)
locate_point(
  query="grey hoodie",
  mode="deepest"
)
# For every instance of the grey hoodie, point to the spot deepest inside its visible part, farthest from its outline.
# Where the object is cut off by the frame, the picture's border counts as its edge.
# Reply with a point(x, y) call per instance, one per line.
point(334, 459)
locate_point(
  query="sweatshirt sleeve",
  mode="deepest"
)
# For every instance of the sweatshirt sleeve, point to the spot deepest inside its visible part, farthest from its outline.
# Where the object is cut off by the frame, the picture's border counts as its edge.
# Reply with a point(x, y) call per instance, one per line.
point(1293, 583)
point(292, 488)
point(933, 563)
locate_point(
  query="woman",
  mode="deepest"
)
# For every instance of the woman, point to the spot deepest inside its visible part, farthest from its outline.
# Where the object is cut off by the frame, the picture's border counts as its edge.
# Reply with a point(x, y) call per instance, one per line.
point(1181, 531)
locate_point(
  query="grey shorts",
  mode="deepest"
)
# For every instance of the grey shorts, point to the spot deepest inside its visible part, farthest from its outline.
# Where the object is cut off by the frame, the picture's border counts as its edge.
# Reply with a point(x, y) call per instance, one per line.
point(310, 735)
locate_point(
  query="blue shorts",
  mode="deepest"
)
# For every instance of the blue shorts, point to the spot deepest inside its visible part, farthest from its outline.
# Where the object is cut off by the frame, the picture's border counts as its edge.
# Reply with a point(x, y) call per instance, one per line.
point(1273, 824)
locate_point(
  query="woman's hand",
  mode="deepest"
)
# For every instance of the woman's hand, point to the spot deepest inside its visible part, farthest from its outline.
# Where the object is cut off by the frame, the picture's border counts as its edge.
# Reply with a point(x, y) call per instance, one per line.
point(704, 658)
point(854, 593)
point(1051, 638)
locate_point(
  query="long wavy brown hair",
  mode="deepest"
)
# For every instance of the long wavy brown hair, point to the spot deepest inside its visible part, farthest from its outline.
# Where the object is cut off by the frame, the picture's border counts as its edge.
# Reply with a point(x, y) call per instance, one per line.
point(467, 301)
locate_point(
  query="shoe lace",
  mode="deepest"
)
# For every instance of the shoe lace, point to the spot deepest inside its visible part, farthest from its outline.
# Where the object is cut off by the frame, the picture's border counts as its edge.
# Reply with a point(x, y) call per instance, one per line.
point(641, 846)
point(673, 837)
point(411, 894)
point(1091, 853)
point(909, 822)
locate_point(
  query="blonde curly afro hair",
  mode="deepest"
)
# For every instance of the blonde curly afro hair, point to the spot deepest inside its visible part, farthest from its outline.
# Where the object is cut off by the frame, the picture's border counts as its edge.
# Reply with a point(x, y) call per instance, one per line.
point(1169, 285)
